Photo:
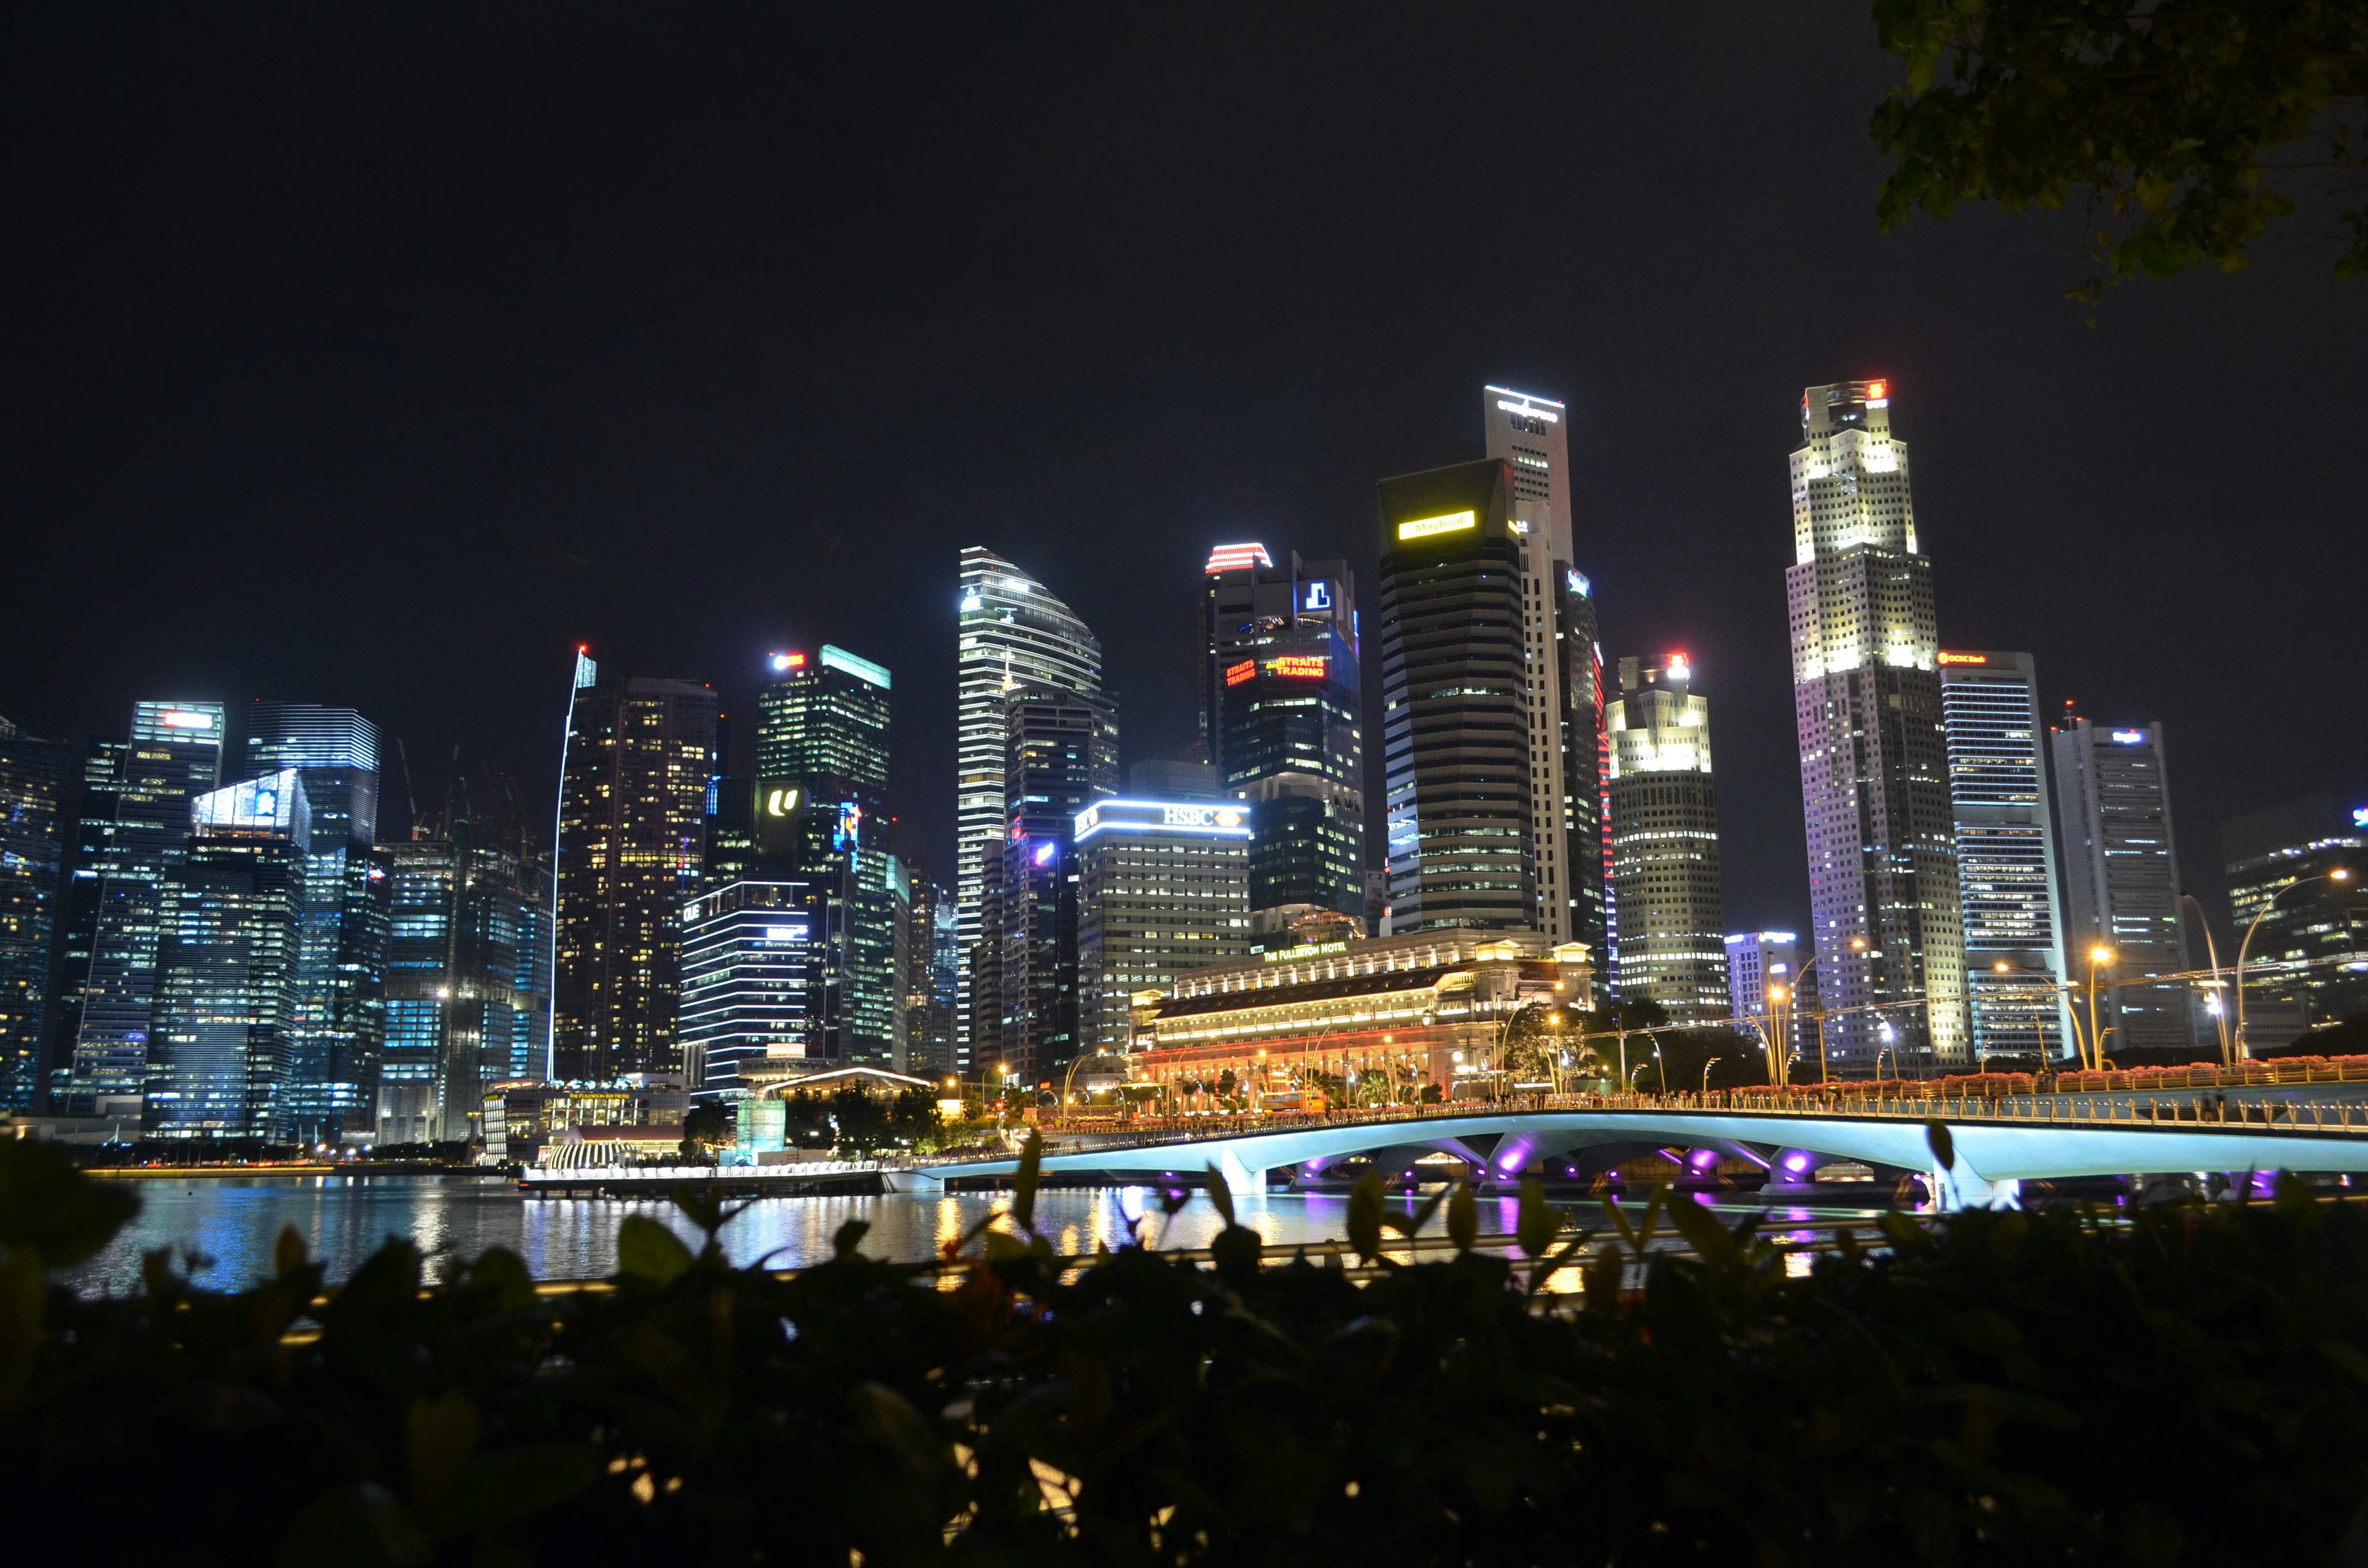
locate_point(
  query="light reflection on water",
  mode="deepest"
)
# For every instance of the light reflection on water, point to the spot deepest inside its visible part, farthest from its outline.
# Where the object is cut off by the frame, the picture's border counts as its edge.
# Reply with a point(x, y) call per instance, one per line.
point(235, 1223)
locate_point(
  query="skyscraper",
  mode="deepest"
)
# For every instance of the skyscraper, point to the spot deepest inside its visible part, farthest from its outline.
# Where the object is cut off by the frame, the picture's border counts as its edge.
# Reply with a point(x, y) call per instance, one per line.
point(1564, 700)
point(36, 784)
point(1284, 719)
point(751, 956)
point(1665, 868)
point(1866, 699)
point(1164, 888)
point(1011, 633)
point(632, 827)
point(1459, 746)
point(228, 953)
point(468, 989)
point(1060, 757)
point(2121, 878)
point(340, 1019)
point(1755, 961)
point(934, 950)
point(175, 754)
point(78, 905)
point(823, 732)
point(2006, 853)
point(2284, 866)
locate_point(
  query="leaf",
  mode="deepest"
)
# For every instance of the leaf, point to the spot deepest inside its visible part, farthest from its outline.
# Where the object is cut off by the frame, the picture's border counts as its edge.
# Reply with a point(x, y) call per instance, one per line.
point(288, 1252)
point(1462, 1218)
point(1221, 1195)
point(1023, 1182)
point(1711, 1241)
point(363, 1526)
point(1538, 1223)
point(438, 1439)
point(1365, 1216)
point(1943, 1146)
point(49, 1205)
point(503, 1486)
point(504, 1273)
point(844, 1241)
point(648, 1250)
point(24, 1293)
point(1412, 1225)
point(889, 1419)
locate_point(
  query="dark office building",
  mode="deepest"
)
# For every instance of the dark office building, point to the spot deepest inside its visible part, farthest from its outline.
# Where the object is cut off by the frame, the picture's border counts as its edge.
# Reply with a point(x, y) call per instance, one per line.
point(1283, 709)
point(640, 752)
point(822, 756)
point(1060, 757)
point(340, 1004)
point(228, 957)
point(1582, 751)
point(2282, 864)
point(83, 875)
point(36, 786)
point(933, 950)
point(1456, 735)
point(175, 755)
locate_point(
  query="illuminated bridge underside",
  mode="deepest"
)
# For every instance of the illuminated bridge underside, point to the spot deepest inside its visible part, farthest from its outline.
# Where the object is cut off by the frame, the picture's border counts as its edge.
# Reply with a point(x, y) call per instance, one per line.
point(1991, 1160)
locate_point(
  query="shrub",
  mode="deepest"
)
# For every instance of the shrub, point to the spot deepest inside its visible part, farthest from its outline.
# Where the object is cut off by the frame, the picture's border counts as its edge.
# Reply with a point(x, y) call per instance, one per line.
point(2185, 1385)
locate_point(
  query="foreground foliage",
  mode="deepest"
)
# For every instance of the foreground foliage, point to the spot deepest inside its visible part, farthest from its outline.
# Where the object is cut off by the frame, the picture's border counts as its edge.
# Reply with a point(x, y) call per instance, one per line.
point(2173, 120)
point(1994, 1389)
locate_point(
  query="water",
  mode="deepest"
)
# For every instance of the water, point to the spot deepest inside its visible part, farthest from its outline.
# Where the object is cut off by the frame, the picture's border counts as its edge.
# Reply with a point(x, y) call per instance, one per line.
point(235, 1222)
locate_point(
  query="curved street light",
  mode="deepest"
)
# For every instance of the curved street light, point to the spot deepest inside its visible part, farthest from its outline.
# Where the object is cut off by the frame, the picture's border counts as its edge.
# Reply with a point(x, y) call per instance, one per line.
point(2219, 1006)
point(2092, 1056)
point(2339, 874)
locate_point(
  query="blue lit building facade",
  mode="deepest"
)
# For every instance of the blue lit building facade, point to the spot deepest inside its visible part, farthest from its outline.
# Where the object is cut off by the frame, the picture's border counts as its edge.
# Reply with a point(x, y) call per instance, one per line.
point(1060, 757)
point(340, 1004)
point(175, 754)
point(752, 958)
point(228, 959)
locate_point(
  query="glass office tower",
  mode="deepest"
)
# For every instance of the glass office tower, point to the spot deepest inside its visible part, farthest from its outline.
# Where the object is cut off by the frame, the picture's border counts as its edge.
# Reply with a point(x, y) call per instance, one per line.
point(36, 783)
point(1011, 632)
point(2121, 878)
point(640, 754)
point(2006, 853)
point(1280, 682)
point(2281, 863)
point(175, 755)
point(822, 742)
point(1458, 736)
point(467, 983)
point(1866, 704)
point(78, 904)
point(1060, 757)
point(752, 953)
point(228, 959)
point(340, 1004)
point(1664, 870)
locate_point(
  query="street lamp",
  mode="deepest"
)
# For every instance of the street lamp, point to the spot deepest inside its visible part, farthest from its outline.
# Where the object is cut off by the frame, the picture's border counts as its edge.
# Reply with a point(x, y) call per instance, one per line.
point(2340, 874)
point(2093, 1058)
point(2217, 1006)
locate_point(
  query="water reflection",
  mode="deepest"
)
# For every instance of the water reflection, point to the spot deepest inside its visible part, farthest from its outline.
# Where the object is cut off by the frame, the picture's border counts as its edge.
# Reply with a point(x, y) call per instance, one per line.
point(234, 1223)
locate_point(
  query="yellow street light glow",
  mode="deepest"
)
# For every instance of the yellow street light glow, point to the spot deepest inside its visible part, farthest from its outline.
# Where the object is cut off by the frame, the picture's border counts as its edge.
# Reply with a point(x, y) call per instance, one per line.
point(1999, 966)
point(1447, 523)
point(2100, 954)
point(2340, 874)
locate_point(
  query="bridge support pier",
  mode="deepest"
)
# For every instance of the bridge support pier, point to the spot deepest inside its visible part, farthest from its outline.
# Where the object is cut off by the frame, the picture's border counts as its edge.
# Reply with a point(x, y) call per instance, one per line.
point(1966, 1188)
point(910, 1181)
point(1248, 1186)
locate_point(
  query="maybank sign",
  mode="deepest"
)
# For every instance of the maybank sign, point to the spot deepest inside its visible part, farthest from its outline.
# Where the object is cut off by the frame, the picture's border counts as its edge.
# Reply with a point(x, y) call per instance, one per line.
point(1446, 523)
point(1215, 817)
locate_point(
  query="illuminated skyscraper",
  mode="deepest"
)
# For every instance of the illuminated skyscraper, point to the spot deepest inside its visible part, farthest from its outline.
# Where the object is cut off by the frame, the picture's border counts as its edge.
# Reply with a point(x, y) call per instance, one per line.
point(176, 755)
point(2006, 853)
point(1461, 750)
point(752, 959)
point(1665, 871)
point(1011, 633)
point(1164, 888)
point(632, 829)
point(78, 905)
point(228, 955)
point(1866, 700)
point(2121, 880)
point(1060, 757)
point(1759, 964)
point(1564, 700)
point(36, 784)
point(2302, 869)
point(822, 756)
point(1284, 719)
point(340, 1004)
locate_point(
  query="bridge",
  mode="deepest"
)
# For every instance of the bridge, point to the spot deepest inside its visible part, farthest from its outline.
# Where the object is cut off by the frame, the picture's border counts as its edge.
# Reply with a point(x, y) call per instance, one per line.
point(1997, 1145)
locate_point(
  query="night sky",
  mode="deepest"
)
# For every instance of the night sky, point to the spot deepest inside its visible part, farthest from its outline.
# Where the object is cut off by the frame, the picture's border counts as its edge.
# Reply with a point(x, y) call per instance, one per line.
point(376, 360)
